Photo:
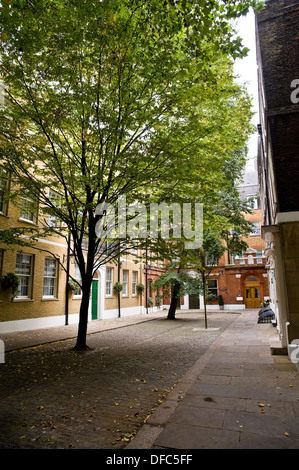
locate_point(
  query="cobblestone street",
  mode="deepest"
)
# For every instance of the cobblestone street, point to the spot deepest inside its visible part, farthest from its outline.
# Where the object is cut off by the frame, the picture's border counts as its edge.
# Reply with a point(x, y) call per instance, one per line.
point(54, 397)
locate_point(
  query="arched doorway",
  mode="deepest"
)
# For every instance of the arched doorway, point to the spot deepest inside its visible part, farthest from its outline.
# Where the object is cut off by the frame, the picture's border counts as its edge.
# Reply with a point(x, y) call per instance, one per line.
point(253, 292)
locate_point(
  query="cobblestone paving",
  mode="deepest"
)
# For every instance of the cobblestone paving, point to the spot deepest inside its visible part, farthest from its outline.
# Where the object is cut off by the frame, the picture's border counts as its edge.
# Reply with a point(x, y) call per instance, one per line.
point(54, 397)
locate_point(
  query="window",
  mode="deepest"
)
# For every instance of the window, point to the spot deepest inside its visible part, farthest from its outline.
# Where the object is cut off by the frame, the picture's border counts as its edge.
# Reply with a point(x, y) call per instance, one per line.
point(52, 219)
point(3, 193)
point(212, 288)
point(28, 208)
point(24, 265)
point(50, 278)
point(134, 283)
point(259, 256)
point(255, 202)
point(256, 229)
point(77, 277)
point(125, 282)
point(236, 256)
point(109, 281)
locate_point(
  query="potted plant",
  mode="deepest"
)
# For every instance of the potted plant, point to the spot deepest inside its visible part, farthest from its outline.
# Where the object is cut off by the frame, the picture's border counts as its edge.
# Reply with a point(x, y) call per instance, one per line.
point(140, 288)
point(118, 287)
point(220, 302)
point(10, 281)
point(150, 302)
point(73, 286)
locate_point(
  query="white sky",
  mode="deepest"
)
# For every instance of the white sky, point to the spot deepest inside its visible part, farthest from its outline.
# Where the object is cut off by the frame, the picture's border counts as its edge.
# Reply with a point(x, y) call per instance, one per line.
point(247, 70)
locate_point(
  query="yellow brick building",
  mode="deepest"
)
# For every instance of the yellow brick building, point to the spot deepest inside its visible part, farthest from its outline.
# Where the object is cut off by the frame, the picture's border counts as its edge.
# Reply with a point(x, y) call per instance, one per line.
point(44, 298)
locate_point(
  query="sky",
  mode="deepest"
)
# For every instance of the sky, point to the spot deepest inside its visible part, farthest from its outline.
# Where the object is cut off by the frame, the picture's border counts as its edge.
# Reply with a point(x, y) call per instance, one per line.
point(247, 70)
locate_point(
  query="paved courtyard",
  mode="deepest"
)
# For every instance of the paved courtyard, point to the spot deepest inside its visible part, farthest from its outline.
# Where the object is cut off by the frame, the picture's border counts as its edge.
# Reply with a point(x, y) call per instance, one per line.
point(53, 397)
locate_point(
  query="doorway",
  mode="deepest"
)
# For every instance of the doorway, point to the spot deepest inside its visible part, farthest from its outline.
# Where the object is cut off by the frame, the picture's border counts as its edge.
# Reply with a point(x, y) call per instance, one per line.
point(252, 292)
point(94, 300)
point(194, 302)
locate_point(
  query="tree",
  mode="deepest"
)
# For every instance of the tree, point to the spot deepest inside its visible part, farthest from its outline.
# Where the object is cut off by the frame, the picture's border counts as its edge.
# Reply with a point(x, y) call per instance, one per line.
point(205, 260)
point(95, 107)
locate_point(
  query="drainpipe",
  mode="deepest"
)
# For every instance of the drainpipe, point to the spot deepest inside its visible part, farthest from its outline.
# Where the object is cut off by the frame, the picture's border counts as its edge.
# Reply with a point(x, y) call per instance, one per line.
point(259, 128)
point(67, 281)
point(118, 294)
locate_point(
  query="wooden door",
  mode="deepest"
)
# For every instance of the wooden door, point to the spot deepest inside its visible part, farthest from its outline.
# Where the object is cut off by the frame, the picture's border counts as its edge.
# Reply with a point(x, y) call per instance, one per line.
point(252, 295)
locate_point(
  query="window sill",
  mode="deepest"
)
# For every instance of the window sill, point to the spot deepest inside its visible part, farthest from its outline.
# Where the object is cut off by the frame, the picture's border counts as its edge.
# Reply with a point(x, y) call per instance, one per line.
point(28, 221)
point(23, 300)
point(45, 299)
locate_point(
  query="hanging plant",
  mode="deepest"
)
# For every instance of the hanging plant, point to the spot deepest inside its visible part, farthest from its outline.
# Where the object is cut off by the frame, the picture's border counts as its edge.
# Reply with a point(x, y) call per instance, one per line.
point(140, 288)
point(118, 287)
point(73, 285)
point(10, 281)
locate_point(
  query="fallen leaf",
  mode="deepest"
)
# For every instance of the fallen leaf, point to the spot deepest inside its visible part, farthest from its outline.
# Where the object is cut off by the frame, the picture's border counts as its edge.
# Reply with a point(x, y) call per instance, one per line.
point(286, 433)
point(261, 404)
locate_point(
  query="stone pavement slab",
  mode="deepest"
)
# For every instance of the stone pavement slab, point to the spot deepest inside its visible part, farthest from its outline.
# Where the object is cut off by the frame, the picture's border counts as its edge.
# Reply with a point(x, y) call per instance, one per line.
point(240, 397)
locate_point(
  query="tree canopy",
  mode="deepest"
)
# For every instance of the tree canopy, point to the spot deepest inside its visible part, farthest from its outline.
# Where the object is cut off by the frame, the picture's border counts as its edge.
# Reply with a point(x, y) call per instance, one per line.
point(111, 98)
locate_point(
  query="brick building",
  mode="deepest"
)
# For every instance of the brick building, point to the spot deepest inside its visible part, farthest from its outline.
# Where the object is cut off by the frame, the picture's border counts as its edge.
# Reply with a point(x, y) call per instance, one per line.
point(277, 37)
point(43, 298)
point(241, 279)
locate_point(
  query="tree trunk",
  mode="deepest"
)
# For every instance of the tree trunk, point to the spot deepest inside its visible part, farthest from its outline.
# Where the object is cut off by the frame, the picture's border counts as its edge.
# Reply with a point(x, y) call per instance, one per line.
point(174, 301)
point(83, 317)
point(205, 299)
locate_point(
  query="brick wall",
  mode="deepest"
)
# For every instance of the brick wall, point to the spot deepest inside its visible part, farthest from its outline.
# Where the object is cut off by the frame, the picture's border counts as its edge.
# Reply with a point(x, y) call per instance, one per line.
point(278, 58)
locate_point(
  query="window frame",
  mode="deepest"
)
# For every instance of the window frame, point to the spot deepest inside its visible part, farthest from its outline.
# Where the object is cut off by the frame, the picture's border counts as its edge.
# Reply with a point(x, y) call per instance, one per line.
point(125, 283)
point(21, 275)
point(134, 283)
point(77, 276)
point(109, 283)
point(32, 203)
point(52, 220)
point(55, 278)
point(210, 290)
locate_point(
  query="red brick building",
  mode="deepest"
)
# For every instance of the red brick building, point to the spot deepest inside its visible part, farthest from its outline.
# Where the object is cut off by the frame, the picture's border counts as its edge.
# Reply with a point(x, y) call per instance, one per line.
point(241, 279)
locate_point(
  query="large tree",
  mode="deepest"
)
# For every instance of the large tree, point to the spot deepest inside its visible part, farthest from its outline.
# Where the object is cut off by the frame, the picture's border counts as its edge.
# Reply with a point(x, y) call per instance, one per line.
point(96, 106)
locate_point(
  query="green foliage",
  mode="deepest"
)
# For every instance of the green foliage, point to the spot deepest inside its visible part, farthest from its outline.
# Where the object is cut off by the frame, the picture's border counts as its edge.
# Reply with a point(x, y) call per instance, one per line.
point(150, 302)
point(140, 288)
point(109, 98)
point(10, 281)
point(158, 300)
point(73, 285)
point(118, 287)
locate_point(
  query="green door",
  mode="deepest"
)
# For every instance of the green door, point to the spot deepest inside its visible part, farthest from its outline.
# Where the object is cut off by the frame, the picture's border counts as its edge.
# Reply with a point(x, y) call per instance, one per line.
point(94, 300)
